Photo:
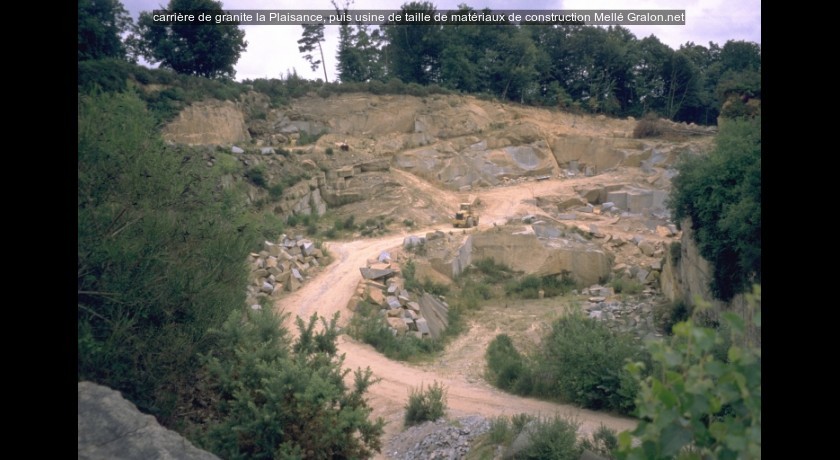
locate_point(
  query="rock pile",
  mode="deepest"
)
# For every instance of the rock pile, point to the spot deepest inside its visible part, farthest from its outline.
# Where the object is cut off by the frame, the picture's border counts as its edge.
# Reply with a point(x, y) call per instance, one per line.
point(281, 266)
point(424, 315)
point(440, 439)
point(633, 315)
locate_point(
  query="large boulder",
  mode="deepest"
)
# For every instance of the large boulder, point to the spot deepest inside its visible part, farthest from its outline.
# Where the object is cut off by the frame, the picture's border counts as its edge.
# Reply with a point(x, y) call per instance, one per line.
point(111, 427)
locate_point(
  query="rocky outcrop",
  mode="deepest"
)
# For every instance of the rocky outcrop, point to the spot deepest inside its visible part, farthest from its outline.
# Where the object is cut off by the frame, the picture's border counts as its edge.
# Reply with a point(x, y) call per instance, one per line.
point(209, 122)
point(439, 439)
point(111, 427)
point(686, 277)
point(554, 253)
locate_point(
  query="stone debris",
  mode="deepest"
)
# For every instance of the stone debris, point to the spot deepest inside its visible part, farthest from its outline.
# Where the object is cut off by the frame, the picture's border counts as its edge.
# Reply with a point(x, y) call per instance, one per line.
point(281, 266)
point(424, 315)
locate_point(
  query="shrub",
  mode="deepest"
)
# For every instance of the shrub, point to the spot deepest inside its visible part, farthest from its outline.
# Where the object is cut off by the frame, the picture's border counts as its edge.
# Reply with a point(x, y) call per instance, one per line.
point(623, 285)
point(551, 285)
point(554, 438)
point(506, 367)
point(667, 314)
point(256, 176)
point(604, 442)
point(278, 399)
point(329, 151)
point(648, 126)
point(425, 405)
point(582, 361)
point(275, 191)
point(721, 195)
point(701, 405)
point(161, 254)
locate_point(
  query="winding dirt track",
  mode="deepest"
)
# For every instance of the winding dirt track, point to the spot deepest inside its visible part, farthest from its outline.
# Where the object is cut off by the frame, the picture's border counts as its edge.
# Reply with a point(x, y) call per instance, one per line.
point(331, 290)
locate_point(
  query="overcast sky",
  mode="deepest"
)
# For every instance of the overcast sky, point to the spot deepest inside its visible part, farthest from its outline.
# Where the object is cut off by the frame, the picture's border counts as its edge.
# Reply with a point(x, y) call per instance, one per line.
point(272, 50)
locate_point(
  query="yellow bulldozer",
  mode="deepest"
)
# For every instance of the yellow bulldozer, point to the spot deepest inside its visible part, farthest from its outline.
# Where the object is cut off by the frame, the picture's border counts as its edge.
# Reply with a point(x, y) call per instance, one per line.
point(466, 216)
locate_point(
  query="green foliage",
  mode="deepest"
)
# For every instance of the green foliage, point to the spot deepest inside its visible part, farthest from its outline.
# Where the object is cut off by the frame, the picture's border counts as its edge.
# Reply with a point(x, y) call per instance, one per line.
point(208, 50)
point(308, 138)
point(529, 286)
point(506, 367)
point(721, 194)
point(552, 438)
point(329, 151)
point(582, 361)
point(286, 400)
point(493, 272)
point(604, 442)
point(100, 26)
point(667, 314)
point(623, 285)
point(701, 405)
point(161, 254)
point(109, 75)
point(256, 175)
point(369, 326)
point(425, 405)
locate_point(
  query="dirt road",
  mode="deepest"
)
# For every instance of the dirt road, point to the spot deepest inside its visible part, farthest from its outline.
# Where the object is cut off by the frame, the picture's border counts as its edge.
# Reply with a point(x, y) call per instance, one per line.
point(331, 290)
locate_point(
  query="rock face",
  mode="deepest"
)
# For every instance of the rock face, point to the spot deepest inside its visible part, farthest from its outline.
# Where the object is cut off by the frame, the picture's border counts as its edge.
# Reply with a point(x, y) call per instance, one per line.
point(686, 276)
point(208, 123)
point(585, 262)
point(111, 427)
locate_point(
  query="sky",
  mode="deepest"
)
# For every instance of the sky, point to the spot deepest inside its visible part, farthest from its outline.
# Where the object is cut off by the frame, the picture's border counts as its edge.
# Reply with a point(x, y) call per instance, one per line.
point(272, 50)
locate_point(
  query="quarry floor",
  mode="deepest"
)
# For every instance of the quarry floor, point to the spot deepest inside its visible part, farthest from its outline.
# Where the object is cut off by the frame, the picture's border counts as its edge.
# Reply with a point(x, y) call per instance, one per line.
point(460, 368)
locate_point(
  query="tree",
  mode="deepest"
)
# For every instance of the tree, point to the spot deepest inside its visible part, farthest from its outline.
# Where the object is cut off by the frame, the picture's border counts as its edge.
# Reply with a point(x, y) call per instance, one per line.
point(721, 194)
point(313, 34)
point(415, 48)
point(207, 50)
point(101, 24)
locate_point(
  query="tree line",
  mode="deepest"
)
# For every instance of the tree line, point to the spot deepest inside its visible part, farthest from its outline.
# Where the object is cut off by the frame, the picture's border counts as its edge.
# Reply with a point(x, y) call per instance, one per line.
point(595, 69)
point(582, 68)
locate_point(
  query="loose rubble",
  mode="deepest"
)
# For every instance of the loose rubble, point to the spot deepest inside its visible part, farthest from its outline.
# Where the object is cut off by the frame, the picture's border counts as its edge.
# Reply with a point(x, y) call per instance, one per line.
point(281, 266)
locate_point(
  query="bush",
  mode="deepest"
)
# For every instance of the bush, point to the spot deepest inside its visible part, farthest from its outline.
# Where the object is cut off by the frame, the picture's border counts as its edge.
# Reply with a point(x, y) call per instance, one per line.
point(551, 285)
point(161, 251)
point(623, 285)
point(425, 405)
point(721, 195)
point(604, 442)
point(506, 367)
point(275, 191)
point(649, 126)
point(701, 405)
point(552, 438)
point(582, 361)
point(278, 399)
point(667, 314)
point(256, 176)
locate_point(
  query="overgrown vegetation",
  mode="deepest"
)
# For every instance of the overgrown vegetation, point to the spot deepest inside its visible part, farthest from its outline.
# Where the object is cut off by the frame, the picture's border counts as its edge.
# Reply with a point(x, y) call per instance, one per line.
point(624, 285)
point(284, 399)
point(721, 194)
point(162, 252)
point(703, 403)
point(530, 286)
point(552, 437)
point(425, 404)
point(580, 361)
